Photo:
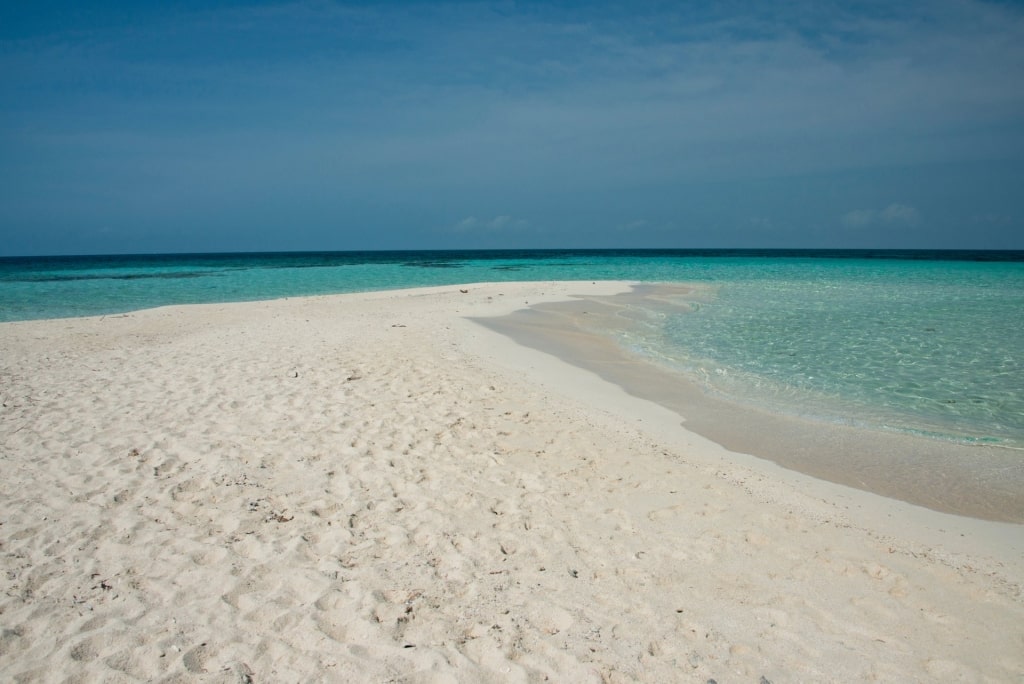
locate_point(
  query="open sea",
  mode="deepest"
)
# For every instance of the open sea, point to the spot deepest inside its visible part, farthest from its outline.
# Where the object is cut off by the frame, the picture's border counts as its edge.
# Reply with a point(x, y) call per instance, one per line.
point(930, 343)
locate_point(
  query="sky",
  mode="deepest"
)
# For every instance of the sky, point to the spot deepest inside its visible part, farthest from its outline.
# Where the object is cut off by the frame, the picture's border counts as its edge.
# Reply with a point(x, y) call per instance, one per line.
point(143, 127)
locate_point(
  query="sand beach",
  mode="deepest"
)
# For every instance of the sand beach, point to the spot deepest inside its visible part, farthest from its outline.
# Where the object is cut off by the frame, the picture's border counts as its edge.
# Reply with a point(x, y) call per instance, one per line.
point(378, 488)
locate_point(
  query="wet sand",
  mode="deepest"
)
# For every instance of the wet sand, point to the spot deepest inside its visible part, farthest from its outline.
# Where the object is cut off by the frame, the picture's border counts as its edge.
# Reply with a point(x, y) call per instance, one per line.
point(981, 481)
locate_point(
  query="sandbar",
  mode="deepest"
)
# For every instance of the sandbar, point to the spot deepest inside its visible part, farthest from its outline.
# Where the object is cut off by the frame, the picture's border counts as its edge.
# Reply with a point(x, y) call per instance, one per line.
point(976, 480)
point(375, 487)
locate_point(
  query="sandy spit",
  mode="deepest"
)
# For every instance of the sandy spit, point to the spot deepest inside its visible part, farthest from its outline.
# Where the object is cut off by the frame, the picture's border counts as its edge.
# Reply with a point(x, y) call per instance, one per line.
point(373, 488)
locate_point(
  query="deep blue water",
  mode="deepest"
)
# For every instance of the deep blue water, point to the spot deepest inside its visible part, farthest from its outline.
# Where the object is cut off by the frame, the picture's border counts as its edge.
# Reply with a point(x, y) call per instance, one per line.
point(920, 341)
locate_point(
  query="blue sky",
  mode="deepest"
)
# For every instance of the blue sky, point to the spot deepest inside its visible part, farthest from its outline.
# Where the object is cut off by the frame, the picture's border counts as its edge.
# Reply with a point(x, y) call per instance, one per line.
point(193, 126)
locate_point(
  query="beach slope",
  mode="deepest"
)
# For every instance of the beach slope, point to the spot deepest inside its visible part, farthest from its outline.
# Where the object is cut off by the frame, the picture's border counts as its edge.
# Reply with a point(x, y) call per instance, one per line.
point(372, 487)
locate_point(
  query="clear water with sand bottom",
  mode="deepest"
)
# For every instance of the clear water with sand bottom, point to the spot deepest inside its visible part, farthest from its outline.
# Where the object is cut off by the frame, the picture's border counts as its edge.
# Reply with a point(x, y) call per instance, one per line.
point(929, 343)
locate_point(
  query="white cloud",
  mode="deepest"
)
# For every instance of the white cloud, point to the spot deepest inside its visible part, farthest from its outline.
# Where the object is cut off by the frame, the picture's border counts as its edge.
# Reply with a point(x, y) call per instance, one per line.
point(465, 225)
point(900, 213)
point(632, 225)
point(472, 224)
point(891, 215)
point(858, 218)
point(499, 223)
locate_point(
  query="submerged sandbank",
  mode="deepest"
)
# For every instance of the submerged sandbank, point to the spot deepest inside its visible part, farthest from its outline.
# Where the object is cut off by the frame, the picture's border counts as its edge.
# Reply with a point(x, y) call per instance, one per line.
point(979, 481)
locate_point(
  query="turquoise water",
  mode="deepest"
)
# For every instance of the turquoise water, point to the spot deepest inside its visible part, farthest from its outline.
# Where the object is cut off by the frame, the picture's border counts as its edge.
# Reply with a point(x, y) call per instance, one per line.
point(57, 287)
point(930, 348)
point(923, 342)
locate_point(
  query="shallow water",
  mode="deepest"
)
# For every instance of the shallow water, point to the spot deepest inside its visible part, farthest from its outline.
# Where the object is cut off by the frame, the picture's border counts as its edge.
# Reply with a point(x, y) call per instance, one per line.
point(919, 342)
point(933, 350)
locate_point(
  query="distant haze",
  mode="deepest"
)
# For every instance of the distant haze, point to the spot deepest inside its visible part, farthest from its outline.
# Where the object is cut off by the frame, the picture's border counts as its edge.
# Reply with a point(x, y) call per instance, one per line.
point(250, 126)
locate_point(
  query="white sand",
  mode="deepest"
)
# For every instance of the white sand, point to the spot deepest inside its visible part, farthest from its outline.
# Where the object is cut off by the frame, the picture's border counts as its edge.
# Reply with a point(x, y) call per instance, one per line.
point(371, 488)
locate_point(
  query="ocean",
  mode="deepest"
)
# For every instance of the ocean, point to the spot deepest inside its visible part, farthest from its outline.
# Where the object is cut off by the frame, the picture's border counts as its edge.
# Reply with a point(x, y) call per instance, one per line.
point(922, 342)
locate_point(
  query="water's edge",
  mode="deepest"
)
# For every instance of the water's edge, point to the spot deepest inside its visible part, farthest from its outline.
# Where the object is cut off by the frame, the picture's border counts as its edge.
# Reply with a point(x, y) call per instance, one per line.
point(35, 288)
point(985, 482)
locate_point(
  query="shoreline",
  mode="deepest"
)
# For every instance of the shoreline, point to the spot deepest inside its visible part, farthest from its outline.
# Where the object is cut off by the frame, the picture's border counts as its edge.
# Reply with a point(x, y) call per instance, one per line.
point(376, 487)
point(981, 481)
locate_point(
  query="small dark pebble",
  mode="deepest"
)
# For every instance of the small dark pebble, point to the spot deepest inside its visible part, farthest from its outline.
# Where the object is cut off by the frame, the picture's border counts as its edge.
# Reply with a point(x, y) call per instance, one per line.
point(765, 680)
point(574, 573)
point(409, 646)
